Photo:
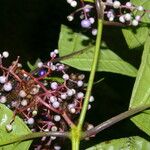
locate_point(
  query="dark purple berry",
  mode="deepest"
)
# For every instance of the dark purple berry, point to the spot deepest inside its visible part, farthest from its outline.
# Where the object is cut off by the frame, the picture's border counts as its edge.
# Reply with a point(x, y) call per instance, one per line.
point(42, 73)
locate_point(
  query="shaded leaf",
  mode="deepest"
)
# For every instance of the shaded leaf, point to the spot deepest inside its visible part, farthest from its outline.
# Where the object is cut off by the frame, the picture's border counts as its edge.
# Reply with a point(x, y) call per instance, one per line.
point(34, 66)
point(130, 143)
point(19, 128)
point(70, 42)
point(141, 91)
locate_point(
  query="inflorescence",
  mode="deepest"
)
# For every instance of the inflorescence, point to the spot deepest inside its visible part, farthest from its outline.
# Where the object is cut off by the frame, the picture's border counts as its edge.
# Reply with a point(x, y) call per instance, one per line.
point(125, 14)
point(48, 99)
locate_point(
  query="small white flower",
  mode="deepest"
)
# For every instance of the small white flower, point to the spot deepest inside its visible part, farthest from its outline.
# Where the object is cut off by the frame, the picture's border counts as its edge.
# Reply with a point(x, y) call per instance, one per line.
point(92, 20)
point(91, 99)
point(56, 51)
point(94, 32)
point(128, 4)
point(69, 92)
point(56, 147)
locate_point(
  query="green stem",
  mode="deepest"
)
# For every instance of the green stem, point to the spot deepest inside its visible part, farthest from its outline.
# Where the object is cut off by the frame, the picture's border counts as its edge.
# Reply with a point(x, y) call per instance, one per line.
point(92, 74)
point(76, 132)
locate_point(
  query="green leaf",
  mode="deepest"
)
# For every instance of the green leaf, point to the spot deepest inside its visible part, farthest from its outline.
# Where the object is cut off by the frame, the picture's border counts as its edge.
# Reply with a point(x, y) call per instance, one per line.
point(130, 143)
point(70, 42)
point(34, 66)
point(19, 128)
point(91, 1)
point(141, 91)
point(136, 36)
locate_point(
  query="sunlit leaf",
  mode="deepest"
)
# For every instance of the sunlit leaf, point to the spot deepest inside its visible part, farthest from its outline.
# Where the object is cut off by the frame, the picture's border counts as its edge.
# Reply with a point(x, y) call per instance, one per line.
point(130, 143)
point(19, 128)
point(136, 36)
point(141, 90)
point(70, 42)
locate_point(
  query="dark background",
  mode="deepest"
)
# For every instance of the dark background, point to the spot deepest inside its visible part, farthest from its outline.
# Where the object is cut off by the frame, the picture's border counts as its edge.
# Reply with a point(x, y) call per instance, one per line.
point(30, 29)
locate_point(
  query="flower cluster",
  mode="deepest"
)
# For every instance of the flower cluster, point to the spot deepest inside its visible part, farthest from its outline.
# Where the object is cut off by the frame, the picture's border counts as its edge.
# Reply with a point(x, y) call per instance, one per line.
point(114, 11)
point(47, 99)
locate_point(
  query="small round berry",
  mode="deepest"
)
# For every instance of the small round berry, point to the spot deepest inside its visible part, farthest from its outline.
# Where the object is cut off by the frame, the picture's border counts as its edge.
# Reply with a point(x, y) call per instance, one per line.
point(63, 96)
point(65, 77)
point(116, 4)
point(22, 93)
point(122, 19)
point(40, 64)
point(7, 87)
point(80, 95)
point(89, 106)
point(85, 23)
point(110, 13)
point(56, 51)
point(42, 72)
point(73, 3)
point(9, 127)
point(34, 112)
point(91, 99)
point(3, 79)
point(70, 18)
point(127, 17)
point(128, 4)
point(3, 99)
point(30, 121)
point(52, 54)
point(140, 8)
point(56, 147)
point(69, 92)
point(92, 20)
point(53, 128)
point(5, 54)
point(24, 102)
point(138, 18)
point(80, 83)
point(56, 104)
point(57, 118)
point(53, 137)
point(94, 32)
point(52, 99)
point(69, 1)
point(72, 110)
point(90, 126)
point(111, 19)
point(74, 91)
point(135, 23)
point(54, 85)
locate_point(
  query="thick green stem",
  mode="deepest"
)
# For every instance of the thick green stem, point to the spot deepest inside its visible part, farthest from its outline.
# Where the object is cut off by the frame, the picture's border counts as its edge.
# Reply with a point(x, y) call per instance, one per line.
point(92, 74)
point(76, 132)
